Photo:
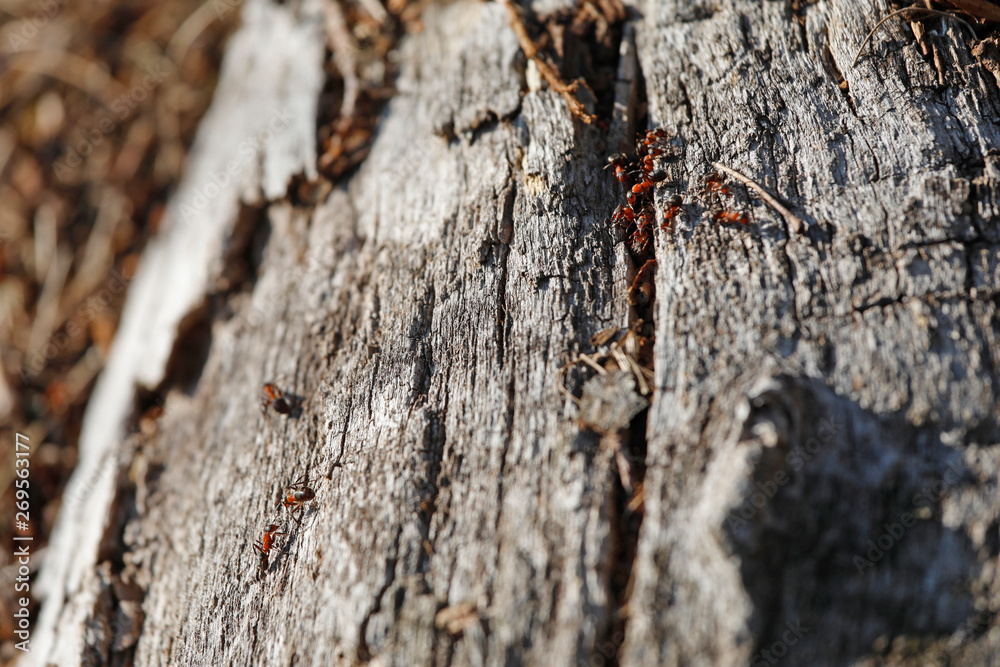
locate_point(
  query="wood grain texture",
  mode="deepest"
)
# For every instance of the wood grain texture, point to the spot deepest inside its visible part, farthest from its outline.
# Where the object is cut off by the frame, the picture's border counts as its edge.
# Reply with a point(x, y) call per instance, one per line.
point(812, 389)
point(427, 310)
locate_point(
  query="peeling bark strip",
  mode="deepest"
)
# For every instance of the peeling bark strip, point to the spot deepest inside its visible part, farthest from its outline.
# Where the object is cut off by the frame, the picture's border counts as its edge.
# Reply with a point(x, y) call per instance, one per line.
point(819, 397)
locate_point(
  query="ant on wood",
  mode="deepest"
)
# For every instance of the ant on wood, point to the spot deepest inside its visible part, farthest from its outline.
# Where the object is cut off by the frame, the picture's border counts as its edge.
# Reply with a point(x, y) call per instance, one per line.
point(729, 217)
point(264, 545)
point(717, 189)
point(272, 396)
point(299, 495)
point(715, 184)
point(641, 292)
point(673, 210)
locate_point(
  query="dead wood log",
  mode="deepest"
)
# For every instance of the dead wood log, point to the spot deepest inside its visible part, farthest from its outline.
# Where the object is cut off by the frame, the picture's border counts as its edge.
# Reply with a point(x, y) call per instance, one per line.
point(818, 465)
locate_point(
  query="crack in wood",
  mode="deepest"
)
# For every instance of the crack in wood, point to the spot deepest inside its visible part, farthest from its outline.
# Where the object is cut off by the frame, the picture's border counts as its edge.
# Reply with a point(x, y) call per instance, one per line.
point(364, 652)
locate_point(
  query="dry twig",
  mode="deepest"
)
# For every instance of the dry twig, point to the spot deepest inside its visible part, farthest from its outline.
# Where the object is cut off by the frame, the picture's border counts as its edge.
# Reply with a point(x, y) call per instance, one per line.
point(568, 91)
point(81, 73)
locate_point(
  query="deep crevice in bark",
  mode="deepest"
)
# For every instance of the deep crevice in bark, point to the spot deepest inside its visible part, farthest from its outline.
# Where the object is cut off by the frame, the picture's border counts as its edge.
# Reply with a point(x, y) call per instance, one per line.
point(243, 256)
point(190, 352)
point(435, 436)
point(626, 504)
point(626, 525)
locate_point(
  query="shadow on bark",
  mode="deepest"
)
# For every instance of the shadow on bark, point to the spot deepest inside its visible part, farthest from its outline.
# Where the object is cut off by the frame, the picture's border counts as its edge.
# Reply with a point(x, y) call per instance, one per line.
point(844, 521)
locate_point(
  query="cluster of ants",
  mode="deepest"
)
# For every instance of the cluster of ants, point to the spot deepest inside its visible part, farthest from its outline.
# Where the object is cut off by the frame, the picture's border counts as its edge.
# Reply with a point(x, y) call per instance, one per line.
point(639, 175)
point(298, 492)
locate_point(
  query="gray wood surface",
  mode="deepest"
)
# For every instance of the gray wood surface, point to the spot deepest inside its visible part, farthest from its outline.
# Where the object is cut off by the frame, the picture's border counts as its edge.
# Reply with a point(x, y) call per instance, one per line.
point(814, 390)
point(873, 333)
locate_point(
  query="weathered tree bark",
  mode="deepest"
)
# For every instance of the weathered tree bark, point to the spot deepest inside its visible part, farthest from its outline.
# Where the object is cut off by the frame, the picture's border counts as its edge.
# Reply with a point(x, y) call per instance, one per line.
point(821, 460)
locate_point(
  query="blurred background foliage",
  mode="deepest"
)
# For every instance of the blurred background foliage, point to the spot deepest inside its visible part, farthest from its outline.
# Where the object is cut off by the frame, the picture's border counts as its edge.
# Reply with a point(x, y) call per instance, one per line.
point(99, 102)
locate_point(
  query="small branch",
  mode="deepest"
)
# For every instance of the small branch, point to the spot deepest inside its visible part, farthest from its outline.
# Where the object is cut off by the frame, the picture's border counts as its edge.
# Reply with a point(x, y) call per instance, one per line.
point(980, 9)
point(593, 364)
point(189, 31)
point(900, 12)
point(548, 72)
point(795, 223)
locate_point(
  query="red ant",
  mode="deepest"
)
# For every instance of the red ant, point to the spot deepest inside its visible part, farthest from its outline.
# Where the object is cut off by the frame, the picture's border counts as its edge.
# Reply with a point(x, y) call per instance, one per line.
point(729, 217)
point(264, 546)
point(645, 220)
point(618, 161)
point(648, 183)
point(658, 133)
point(299, 495)
point(714, 184)
point(649, 164)
point(623, 216)
point(649, 155)
point(673, 209)
point(271, 395)
point(646, 146)
point(621, 174)
point(639, 239)
point(643, 187)
point(640, 293)
point(653, 136)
